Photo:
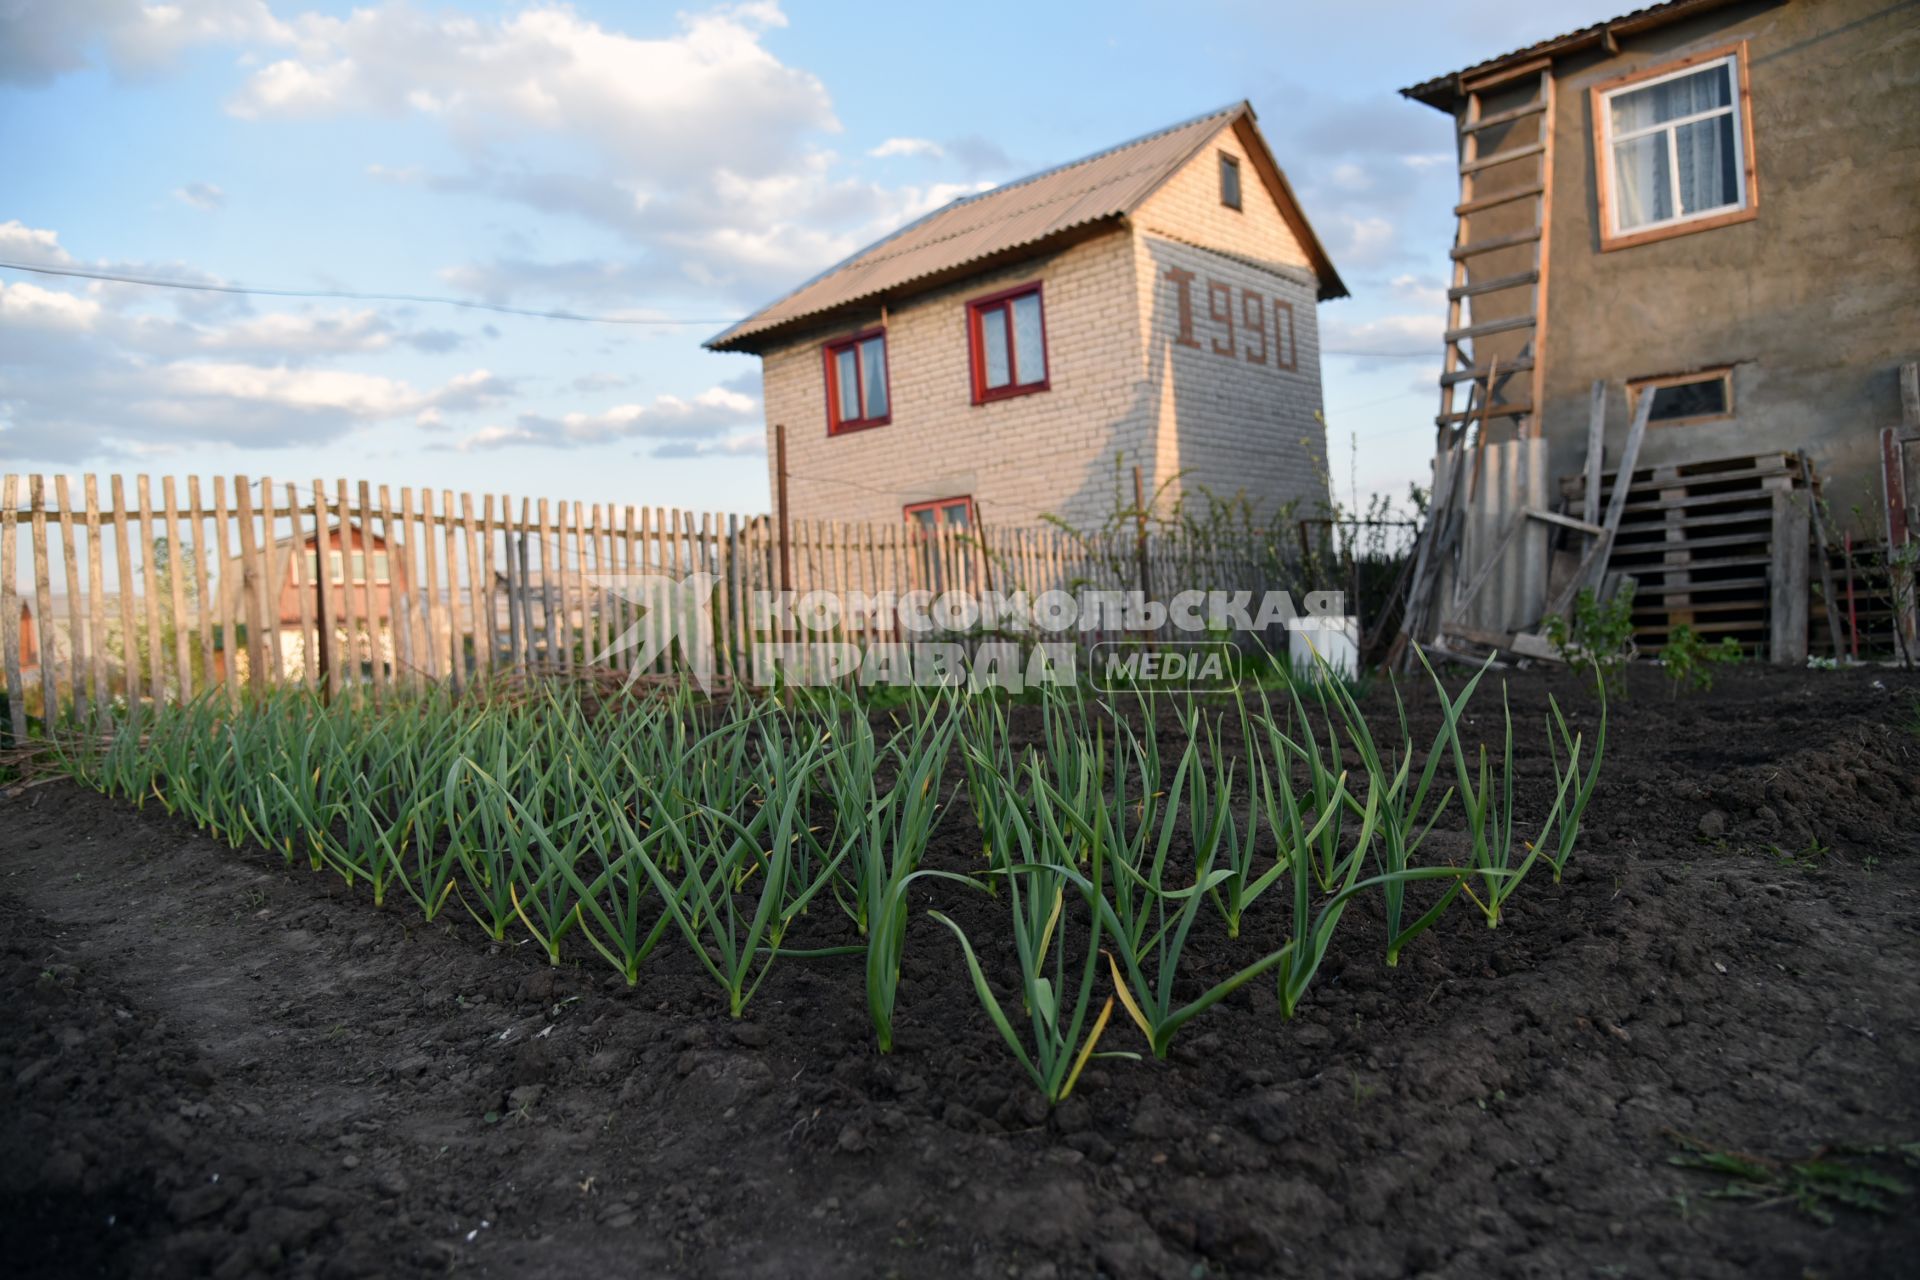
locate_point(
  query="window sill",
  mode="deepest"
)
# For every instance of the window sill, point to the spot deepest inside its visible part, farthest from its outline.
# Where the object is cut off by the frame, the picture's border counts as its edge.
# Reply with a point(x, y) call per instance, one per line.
point(865, 424)
point(1632, 238)
point(1012, 393)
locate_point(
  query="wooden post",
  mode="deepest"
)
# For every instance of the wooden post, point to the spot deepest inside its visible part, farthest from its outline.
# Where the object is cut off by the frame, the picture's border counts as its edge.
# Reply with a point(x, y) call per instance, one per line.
point(302, 592)
point(123, 579)
point(203, 599)
point(10, 609)
point(780, 457)
point(1596, 447)
point(149, 590)
point(76, 605)
point(1140, 535)
point(322, 595)
point(1826, 566)
point(229, 656)
point(1787, 582)
point(177, 572)
point(99, 683)
point(43, 603)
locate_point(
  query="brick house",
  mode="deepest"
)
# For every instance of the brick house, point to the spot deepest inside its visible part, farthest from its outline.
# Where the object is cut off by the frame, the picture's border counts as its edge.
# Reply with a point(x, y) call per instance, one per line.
point(990, 362)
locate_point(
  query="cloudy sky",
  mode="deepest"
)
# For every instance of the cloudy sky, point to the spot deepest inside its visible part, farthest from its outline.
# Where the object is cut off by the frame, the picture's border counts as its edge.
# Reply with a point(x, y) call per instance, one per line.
point(669, 169)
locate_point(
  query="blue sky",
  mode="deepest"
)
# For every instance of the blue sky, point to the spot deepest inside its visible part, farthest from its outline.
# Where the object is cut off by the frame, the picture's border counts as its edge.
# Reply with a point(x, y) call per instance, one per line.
point(637, 161)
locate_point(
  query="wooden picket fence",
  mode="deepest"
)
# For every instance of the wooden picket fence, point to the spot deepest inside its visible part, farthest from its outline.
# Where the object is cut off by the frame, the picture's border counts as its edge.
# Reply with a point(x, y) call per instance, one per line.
point(110, 594)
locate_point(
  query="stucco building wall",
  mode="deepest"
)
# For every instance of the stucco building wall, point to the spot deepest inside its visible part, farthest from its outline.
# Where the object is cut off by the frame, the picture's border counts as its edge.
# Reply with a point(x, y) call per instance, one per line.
point(1813, 302)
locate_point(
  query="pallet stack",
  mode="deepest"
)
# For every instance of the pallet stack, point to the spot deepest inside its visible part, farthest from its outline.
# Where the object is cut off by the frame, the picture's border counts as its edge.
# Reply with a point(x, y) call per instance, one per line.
point(1721, 546)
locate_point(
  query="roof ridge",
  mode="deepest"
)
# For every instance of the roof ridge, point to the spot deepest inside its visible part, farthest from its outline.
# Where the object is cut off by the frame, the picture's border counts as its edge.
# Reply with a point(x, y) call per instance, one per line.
point(868, 252)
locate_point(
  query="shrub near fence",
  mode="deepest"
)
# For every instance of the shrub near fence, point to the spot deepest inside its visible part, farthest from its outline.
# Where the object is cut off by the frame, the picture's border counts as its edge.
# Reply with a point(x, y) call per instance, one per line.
point(129, 588)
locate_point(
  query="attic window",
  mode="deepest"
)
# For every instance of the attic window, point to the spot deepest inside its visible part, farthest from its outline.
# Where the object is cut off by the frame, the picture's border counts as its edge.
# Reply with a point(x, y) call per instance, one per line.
point(857, 392)
point(1675, 149)
point(1229, 181)
point(1684, 398)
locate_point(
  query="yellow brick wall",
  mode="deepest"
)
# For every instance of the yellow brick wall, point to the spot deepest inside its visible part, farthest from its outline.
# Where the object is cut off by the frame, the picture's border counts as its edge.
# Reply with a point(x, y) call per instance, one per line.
point(1188, 208)
point(1018, 458)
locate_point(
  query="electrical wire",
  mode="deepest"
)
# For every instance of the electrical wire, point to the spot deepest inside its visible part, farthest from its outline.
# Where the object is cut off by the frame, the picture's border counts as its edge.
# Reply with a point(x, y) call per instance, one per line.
point(354, 295)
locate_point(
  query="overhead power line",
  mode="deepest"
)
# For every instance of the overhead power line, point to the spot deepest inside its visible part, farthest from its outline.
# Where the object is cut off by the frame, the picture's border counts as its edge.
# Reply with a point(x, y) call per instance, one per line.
point(472, 304)
point(353, 295)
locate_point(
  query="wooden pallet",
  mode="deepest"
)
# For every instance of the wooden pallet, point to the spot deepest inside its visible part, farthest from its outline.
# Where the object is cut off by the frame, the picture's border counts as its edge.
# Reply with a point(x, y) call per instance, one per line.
point(1720, 546)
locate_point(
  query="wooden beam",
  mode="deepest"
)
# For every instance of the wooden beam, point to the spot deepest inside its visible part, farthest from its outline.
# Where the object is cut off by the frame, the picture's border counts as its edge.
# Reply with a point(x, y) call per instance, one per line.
point(1498, 242)
point(1494, 285)
point(1596, 448)
point(1498, 198)
point(1504, 157)
point(1565, 522)
point(1826, 567)
point(1594, 564)
point(1502, 117)
point(1491, 327)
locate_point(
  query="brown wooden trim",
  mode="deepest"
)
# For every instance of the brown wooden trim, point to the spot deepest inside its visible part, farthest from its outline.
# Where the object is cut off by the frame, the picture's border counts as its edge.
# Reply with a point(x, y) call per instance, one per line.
point(1498, 76)
point(1602, 152)
point(1543, 252)
point(1724, 372)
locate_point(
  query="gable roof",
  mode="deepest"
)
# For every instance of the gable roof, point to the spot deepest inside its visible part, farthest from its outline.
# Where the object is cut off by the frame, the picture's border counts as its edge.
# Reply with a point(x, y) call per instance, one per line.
point(1021, 217)
point(1443, 92)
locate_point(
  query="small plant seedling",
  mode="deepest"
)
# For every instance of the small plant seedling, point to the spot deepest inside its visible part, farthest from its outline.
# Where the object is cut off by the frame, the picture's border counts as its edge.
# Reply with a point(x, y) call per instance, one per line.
point(1689, 661)
point(1833, 1177)
point(1808, 859)
point(1598, 637)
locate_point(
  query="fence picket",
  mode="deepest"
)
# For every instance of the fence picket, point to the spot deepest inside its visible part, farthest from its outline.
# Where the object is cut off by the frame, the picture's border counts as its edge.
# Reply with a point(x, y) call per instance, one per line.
point(178, 557)
point(10, 634)
point(76, 606)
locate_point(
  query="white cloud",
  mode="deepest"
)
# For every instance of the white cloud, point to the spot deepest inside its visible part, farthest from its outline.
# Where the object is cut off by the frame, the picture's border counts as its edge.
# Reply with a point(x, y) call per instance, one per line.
point(41, 41)
point(719, 419)
point(21, 243)
point(1357, 240)
point(93, 368)
point(29, 306)
point(203, 196)
point(1390, 335)
point(923, 147)
point(666, 106)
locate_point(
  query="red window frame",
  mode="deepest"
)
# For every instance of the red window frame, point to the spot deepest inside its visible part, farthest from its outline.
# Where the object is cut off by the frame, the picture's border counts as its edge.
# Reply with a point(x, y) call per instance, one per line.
point(939, 507)
point(836, 425)
point(977, 319)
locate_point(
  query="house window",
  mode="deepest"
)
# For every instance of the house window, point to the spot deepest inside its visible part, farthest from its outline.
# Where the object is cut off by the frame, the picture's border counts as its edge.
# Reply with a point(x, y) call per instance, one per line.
point(941, 513)
point(1675, 149)
point(1229, 181)
point(1683, 398)
point(857, 382)
point(1008, 336)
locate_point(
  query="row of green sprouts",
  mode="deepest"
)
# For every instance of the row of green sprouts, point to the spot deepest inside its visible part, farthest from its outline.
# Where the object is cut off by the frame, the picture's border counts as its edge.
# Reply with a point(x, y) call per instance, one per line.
point(1104, 834)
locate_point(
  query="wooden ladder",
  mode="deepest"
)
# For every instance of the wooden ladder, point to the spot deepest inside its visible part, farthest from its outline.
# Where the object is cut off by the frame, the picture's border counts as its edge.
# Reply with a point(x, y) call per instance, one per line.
point(1489, 394)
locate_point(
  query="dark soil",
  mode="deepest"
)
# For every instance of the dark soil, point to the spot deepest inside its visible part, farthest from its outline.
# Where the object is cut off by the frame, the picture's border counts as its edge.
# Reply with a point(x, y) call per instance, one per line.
point(212, 1065)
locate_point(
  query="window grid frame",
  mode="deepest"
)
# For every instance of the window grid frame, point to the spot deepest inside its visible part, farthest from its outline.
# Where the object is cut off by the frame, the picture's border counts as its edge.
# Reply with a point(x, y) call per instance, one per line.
point(830, 352)
point(1600, 96)
point(1003, 300)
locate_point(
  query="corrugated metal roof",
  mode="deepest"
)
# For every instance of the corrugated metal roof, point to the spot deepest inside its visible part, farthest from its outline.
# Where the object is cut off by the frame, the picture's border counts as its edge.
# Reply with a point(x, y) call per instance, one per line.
point(1021, 214)
point(1443, 91)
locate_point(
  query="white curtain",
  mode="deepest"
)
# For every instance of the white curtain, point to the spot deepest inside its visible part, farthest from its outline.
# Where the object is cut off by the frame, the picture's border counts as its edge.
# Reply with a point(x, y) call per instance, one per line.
point(1702, 152)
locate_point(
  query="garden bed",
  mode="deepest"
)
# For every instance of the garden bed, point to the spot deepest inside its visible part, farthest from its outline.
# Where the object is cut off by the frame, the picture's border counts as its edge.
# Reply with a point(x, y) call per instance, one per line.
point(211, 1064)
